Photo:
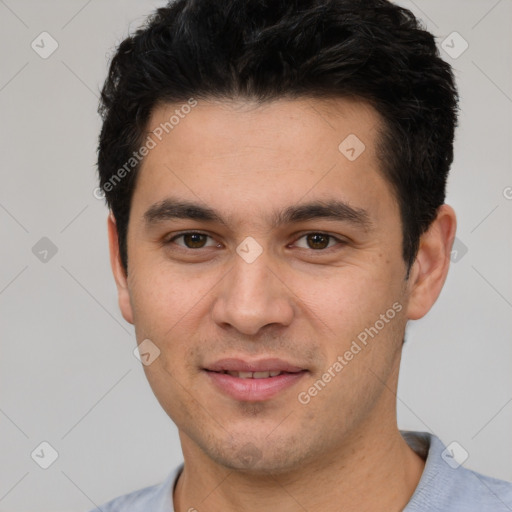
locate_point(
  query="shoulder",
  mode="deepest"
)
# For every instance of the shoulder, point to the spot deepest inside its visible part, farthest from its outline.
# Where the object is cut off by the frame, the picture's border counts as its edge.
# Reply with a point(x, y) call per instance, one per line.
point(480, 492)
point(448, 486)
point(155, 498)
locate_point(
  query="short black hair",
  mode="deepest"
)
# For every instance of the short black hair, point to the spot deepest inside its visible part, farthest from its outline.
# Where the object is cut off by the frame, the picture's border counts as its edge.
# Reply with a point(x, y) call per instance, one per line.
point(264, 50)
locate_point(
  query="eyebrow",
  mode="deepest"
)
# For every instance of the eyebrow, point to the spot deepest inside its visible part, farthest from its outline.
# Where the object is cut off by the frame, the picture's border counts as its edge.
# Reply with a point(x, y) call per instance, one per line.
point(170, 209)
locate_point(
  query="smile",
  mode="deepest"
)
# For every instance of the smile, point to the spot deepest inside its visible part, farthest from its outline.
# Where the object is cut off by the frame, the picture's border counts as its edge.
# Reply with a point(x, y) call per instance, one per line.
point(253, 375)
point(254, 386)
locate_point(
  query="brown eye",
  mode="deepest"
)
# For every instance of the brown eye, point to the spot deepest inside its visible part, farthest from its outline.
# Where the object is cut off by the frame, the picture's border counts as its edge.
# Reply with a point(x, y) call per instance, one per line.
point(192, 240)
point(318, 240)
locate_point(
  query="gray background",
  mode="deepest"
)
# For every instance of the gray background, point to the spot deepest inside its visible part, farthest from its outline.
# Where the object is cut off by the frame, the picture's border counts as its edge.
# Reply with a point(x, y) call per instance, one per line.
point(67, 372)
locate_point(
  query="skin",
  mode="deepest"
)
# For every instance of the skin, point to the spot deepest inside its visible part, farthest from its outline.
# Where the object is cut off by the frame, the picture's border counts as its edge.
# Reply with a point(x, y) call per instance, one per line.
point(343, 449)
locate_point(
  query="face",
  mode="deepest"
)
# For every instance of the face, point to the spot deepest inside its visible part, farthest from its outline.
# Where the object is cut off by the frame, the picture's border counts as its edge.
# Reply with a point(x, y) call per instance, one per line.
point(257, 243)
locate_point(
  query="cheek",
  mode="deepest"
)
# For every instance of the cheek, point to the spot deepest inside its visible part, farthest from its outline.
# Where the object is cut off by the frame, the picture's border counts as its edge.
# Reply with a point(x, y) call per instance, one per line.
point(168, 309)
point(160, 295)
point(352, 306)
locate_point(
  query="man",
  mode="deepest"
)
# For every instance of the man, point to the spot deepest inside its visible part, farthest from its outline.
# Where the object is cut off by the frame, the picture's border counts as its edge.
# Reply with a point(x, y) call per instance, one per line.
point(276, 178)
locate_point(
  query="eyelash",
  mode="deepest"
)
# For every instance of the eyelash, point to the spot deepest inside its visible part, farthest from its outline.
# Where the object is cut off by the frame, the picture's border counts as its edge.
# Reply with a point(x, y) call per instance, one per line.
point(327, 249)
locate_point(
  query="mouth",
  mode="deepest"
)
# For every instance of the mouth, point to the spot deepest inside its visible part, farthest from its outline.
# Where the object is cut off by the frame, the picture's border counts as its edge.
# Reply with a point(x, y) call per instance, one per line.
point(253, 380)
point(254, 375)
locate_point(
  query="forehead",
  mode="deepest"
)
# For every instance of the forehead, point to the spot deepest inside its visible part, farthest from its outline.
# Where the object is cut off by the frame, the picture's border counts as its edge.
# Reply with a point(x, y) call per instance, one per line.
point(240, 154)
point(289, 126)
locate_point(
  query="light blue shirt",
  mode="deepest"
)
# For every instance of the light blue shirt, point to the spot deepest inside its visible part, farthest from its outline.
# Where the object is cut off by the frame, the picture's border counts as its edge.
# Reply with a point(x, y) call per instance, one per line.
point(444, 486)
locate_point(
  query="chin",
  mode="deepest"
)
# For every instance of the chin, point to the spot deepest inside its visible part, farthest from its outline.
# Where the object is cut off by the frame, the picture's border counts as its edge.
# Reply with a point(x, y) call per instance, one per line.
point(259, 458)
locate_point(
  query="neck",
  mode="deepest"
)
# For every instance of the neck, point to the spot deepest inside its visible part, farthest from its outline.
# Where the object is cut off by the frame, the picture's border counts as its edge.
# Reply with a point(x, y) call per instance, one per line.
point(374, 471)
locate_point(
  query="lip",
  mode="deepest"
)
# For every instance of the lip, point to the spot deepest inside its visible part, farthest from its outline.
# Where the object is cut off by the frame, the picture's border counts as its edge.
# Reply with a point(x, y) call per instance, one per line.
point(239, 365)
point(253, 390)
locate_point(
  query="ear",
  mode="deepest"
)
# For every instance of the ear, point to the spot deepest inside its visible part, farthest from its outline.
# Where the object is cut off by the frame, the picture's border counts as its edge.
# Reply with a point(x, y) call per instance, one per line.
point(430, 268)
point(118, 270)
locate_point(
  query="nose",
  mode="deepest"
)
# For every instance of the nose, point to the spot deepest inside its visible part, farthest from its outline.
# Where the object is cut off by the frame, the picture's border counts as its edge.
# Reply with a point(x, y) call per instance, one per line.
point(253, 296)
